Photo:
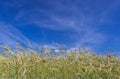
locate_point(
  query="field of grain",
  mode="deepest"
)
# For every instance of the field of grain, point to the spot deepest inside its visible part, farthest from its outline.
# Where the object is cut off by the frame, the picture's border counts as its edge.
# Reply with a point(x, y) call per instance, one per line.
point(74, 65)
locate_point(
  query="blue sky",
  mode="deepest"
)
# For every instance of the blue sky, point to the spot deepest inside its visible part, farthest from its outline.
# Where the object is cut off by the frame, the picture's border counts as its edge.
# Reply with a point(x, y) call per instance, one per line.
point(94, 24)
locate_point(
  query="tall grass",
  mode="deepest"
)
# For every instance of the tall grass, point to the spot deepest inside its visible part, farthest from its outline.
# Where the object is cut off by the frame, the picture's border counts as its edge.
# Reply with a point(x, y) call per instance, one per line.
point(75, 65)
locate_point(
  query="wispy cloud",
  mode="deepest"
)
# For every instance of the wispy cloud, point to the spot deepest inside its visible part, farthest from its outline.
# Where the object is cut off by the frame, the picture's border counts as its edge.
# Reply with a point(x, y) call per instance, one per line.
point(74, 16)
point(10, 35)
point(82, 17)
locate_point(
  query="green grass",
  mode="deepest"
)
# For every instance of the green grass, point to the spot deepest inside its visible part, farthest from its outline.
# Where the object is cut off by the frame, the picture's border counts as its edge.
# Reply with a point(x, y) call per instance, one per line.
point(75, 65)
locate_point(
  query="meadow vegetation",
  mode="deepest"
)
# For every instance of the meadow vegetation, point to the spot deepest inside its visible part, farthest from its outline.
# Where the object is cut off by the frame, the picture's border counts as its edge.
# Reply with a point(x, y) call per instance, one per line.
point(21, 64)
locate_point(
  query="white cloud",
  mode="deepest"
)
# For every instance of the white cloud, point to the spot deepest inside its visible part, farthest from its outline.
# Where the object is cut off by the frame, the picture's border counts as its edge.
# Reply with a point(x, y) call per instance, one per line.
point(83, 25)
point(82, 17)
point(9, 35)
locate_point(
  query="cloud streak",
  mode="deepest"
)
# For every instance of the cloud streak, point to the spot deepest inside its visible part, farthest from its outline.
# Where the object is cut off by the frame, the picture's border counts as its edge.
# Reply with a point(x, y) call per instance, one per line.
point(11, 36)
point(83, 17)
point(77, 17)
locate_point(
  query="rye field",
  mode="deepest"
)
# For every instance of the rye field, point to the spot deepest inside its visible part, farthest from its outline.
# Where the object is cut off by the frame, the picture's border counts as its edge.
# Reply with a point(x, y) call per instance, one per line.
point(29, 64)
